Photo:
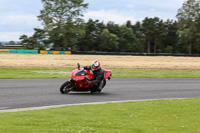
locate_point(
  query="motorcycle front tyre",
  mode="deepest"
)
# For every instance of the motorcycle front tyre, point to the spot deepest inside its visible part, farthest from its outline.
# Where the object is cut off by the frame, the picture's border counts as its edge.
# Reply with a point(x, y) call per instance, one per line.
point(66, 87)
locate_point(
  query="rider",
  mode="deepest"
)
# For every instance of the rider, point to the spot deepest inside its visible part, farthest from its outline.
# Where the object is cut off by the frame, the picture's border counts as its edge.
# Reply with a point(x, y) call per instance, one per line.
point(98, 73)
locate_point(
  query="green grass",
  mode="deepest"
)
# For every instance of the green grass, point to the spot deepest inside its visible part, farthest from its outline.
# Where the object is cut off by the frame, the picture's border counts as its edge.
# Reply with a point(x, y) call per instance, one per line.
point(14, 73)
point(9, 73)
point(145, 73)
point(159, 116)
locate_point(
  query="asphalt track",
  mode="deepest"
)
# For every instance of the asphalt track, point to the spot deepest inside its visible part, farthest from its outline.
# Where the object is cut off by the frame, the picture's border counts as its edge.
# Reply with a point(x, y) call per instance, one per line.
point(26, 93)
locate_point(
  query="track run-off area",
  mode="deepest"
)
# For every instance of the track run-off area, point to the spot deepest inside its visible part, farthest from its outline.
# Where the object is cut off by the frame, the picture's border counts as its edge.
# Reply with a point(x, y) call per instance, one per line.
point(22, 94)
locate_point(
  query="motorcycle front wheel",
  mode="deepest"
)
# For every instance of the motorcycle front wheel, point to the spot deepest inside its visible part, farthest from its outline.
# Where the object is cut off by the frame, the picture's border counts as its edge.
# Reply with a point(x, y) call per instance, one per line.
point(67, 87)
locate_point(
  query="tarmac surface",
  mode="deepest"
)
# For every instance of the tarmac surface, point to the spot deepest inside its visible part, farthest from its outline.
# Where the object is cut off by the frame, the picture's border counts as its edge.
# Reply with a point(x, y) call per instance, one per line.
point(27, 93)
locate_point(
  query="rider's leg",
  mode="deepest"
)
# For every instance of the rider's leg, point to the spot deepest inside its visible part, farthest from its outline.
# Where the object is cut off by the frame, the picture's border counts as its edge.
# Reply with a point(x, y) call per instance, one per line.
point(99, 87)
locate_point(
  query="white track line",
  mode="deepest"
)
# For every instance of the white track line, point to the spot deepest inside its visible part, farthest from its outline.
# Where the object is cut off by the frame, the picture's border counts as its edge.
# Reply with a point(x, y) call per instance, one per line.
point(56, 106)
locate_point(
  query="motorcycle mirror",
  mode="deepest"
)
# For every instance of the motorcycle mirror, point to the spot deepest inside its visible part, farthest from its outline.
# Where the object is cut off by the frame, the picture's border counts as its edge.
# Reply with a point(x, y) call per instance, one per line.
point(87, 78)
point(78, 65)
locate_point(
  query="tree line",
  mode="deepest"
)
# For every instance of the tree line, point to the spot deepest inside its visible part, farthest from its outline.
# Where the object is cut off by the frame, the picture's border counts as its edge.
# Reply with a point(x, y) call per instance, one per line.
point(63, 27)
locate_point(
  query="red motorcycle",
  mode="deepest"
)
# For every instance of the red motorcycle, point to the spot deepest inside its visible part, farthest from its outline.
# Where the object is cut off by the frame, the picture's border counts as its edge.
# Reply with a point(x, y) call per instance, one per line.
point(79, 80)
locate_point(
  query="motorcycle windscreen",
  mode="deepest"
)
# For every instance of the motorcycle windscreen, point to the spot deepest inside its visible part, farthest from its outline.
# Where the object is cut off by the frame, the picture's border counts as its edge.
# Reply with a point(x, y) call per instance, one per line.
point(81, 73)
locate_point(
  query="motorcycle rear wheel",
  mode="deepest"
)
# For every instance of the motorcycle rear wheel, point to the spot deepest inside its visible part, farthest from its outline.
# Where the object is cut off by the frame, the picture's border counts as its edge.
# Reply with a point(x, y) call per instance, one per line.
point(67, 87)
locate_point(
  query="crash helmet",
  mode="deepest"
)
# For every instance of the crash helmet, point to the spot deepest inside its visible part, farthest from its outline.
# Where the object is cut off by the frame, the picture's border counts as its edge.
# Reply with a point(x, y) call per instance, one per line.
point(95, 65)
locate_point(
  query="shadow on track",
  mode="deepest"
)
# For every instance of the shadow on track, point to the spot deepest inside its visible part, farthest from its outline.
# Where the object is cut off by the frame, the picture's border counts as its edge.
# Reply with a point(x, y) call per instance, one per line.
point(89, 94)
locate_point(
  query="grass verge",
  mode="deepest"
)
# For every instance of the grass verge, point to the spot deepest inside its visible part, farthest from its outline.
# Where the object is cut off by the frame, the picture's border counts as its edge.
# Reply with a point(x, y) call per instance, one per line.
point(159, 116)
point(13, 73)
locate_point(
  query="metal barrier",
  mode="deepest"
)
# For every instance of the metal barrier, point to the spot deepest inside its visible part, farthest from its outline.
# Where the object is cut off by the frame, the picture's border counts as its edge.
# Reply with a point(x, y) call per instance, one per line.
point(54, 52)
point(98, 53)
point(23, 51)
point(133, 54)
point(43, 52)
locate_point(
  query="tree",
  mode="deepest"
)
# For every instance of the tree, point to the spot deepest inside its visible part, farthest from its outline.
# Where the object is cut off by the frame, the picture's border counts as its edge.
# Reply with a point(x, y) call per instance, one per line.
point(196, 47)
point(155, 33)
point(171, 35)
point(40, 37)
point(29, 42)
point(37, 40)
point(148, 27)
point(168, 49)
point(11, 43)
point(61, 20)
point(127, 40)
point(108, 41)
point(140, 36)
point(92, 31)
point(129, 24)
point(113, 28)
point(188, 16)
point(24, 40)
point(159, 34)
